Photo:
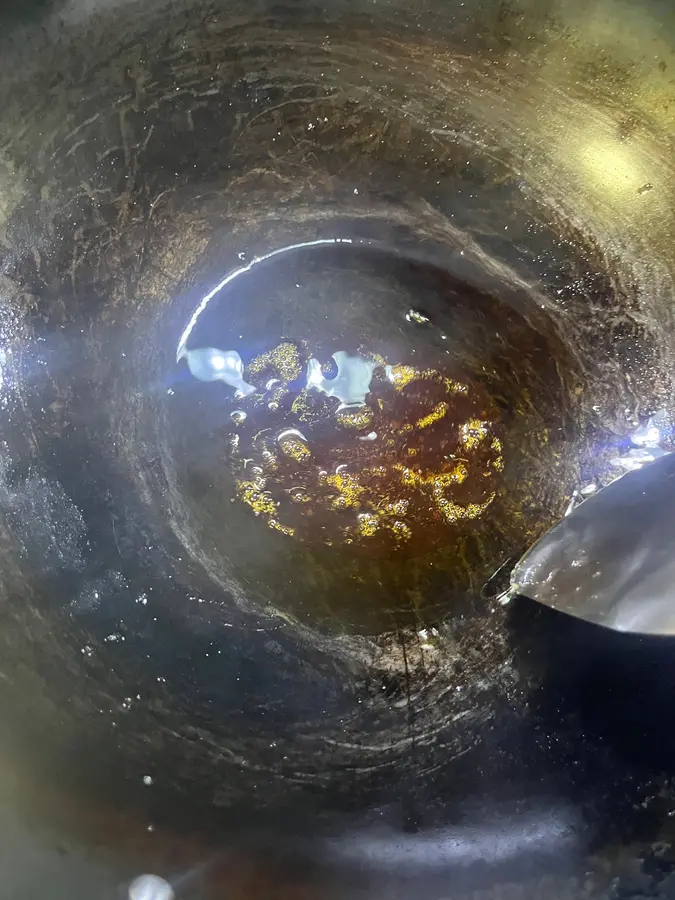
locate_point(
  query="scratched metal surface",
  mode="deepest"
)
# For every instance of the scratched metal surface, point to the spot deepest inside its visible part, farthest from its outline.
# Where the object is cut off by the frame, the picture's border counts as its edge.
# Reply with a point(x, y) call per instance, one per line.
point(180, 691)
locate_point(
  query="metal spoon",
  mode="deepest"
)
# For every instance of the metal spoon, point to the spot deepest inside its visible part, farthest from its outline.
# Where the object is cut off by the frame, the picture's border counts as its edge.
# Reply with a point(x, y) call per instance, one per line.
point(612, 559)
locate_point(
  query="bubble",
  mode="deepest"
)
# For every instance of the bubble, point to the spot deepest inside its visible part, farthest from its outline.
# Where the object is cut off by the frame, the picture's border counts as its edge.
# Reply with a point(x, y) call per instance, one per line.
point(291, 432)
point(104, 590)
point(238, 416)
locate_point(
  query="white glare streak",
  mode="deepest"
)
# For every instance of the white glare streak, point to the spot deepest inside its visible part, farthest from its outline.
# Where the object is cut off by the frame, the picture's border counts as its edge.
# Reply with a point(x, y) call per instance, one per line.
point(322, 242)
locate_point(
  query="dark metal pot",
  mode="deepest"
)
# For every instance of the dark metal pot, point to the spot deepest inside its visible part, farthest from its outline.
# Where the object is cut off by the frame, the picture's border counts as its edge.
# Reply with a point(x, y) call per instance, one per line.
point(249, 631)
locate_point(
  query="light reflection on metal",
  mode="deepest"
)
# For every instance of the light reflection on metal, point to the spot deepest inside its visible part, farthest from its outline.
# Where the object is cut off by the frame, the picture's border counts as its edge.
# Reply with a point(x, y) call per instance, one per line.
point(612, 166)
point(611, 561)
point(636, 459)
point(150, 887)
point(547, 832)
point(211, 364)
point(646, 443)
point(647, 437)
point(350, 386)
point(204, 302)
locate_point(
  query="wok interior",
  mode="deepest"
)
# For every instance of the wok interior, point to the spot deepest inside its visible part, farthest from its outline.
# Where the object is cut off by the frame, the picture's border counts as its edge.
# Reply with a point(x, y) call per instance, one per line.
point(485, 194)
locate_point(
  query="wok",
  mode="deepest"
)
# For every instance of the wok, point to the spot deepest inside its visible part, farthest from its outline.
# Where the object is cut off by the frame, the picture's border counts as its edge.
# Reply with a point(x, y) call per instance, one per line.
point(227, 660)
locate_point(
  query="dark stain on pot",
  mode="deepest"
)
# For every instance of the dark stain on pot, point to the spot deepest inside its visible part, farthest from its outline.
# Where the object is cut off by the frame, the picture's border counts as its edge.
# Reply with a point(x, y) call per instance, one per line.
point(419, 319)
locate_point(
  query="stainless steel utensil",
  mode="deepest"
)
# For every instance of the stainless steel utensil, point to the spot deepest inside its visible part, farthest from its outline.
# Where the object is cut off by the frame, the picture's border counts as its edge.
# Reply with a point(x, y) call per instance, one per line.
point(612, 559)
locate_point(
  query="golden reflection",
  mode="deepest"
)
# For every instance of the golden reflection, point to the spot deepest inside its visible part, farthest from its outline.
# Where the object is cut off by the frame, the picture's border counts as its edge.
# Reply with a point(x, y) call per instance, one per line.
point(295, 448)
point(251, 492)
point(473, 432)
point(277, 526)
point(348, 488)
point(402, 375)
point(355, 418)
point(283, 359)
point(437, 413)
point(613, 166)
point(421, 455)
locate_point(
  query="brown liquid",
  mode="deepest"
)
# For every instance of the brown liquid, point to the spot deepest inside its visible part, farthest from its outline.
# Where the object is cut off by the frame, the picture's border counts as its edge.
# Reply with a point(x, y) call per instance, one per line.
point(420, 458)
